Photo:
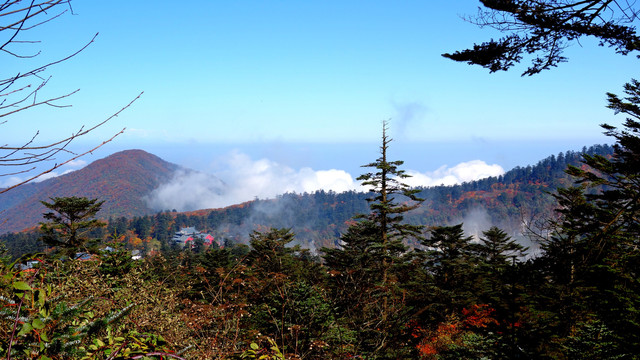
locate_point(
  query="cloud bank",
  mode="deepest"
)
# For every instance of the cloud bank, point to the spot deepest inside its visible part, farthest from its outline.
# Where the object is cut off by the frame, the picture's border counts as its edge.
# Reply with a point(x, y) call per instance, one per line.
point(463, 172)
point(187, 190)
point(242, 179)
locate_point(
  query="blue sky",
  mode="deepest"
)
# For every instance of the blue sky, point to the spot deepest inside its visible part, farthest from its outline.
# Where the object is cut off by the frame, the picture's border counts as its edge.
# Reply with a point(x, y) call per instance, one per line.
point(307, 84)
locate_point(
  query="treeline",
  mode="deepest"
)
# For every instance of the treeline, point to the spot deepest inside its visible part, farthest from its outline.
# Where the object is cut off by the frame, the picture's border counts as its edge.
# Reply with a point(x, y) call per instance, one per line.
point(319, 218)
point(521, 194)
point(448, 297)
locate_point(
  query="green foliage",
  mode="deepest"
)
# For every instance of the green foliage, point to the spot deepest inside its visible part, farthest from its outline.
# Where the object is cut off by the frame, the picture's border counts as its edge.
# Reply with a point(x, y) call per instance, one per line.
point(451, 263)
point(593, 340)
point(498, 250)
point(66, 310)
point(115, 261)
point(386, 210)
point(593, 257)
point(5, 257)
point(133, 345)
point(270, 353)
point(365, 270)
point(270, 253)
point(354, 267)
point(69, 221)
point(45, 324)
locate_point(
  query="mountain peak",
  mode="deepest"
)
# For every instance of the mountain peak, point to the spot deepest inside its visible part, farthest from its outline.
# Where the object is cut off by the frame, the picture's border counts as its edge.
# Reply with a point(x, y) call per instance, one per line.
point(121, 179)
point(135, 157)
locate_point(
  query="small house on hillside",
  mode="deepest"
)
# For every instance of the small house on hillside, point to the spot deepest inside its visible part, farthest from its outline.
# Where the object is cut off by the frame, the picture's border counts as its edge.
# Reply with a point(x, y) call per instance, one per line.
point(187, 234)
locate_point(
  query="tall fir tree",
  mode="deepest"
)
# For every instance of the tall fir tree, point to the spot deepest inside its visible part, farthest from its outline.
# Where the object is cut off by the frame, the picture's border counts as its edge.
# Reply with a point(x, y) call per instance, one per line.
point(365, 269)
point(392, 199)
point(452, 263)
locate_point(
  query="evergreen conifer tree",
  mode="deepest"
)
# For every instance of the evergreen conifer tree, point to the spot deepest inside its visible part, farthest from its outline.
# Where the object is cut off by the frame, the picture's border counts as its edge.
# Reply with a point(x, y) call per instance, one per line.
point(451, 260)
point(365, 268)
point(387, 208)
point(270, 253)
point(498, 250)
point(70, 219)
point(543, 28)
point(594, 258)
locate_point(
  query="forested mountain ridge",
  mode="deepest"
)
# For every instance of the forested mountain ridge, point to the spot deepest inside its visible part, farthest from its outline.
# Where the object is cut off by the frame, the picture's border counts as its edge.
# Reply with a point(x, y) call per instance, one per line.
point(121, 180)
point(522, 194)
point(450, 295)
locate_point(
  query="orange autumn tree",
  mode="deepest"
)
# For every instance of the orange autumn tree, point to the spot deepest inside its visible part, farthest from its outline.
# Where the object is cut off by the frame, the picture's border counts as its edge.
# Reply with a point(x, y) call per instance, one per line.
point(459, 336)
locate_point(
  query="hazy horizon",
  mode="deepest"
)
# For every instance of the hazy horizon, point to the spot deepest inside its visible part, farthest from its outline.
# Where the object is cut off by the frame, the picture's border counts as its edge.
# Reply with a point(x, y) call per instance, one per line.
point(304, 87)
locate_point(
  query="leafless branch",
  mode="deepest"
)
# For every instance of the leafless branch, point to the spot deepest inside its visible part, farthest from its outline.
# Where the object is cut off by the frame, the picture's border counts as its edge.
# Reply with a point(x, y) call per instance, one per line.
point(56, 166)
point(21, 91)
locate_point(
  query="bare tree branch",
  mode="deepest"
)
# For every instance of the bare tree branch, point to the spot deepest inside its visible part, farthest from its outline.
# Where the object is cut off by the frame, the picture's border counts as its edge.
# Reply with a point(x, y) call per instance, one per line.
point(21, 92)
point(61, 164)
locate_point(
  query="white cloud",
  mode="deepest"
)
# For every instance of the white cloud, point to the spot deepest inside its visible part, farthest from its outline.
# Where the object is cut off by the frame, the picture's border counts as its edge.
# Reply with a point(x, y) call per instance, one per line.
point(10, 181)
point(265, 178)
point(67, 168)
point(76, 164)
point(71, 166)
point(186, 191)
point(244, 179)
point(47, 176)
point(463, 172)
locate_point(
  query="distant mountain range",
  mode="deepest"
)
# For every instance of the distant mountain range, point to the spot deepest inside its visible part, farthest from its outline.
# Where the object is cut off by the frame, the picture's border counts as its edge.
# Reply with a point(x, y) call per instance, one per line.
point(122, 180)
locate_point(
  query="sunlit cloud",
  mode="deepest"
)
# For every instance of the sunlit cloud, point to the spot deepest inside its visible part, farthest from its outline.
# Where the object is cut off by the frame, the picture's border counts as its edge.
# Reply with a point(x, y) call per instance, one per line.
point(244, 179)
point(463, 172)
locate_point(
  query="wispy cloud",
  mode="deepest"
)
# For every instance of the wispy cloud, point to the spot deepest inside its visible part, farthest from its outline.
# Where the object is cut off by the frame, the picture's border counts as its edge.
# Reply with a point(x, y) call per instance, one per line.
point(67, 168)
point(187, 190)
point(407, 113)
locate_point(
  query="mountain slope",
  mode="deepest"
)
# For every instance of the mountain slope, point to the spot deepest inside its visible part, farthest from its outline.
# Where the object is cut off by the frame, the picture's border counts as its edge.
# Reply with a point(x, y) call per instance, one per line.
point(121, 180)
point(518, 198)
point(521, 197)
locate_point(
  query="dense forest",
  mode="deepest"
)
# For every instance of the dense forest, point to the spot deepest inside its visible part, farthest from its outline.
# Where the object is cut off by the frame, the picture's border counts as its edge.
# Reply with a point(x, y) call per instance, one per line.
point(392, 273)
point(522, 195)
point(449, 296)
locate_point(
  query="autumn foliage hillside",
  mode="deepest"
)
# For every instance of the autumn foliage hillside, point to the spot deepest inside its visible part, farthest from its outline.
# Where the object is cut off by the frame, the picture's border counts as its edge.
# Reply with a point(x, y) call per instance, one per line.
point(121, 180)
point(520, 196)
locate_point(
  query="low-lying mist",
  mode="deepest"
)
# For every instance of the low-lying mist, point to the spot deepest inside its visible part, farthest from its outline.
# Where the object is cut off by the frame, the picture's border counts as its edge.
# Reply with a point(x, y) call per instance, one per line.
point(242, 179)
